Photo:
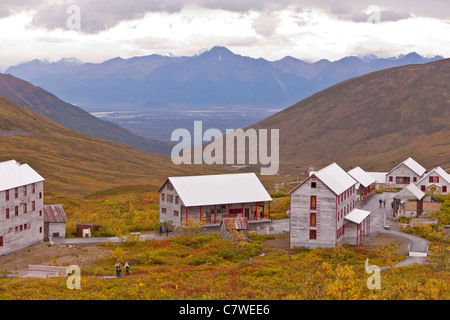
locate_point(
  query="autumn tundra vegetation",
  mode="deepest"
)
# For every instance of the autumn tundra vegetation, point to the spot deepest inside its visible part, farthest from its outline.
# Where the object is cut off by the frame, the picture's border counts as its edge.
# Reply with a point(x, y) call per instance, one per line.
point(194, 265)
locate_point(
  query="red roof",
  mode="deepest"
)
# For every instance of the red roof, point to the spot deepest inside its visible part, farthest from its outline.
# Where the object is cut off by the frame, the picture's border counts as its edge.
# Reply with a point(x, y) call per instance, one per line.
point(54, 213)
point(240, 223)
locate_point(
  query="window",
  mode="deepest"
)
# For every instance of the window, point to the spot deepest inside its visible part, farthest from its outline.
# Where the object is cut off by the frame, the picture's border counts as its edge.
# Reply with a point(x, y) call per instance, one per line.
point(163, 210)
point(25, 226)
point(16, 193)
point(25, 208)
point(312, 219)
point(16, 229)
point(430, 179)
point(175, 213)
point(1, 241)
point(176, 199)
point(33, 188)
point(163, 196)
point(436, 179)
point(24, 190)
point(312, 234)
point(7, 195)
point(21, 228)
point(40, 229)
point(16, 211)
point(7, 213)
point(444, 189)
point(402, 180)
point(40, 213)
point(40, 195)
point(391, 179)
point(415, 179)
point(313, 203)
point(33, 206)
point(422, 188)
point(313, 185)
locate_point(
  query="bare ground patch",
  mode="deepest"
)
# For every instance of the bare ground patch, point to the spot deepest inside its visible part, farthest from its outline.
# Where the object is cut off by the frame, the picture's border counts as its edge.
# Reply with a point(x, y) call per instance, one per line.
point(52, 254)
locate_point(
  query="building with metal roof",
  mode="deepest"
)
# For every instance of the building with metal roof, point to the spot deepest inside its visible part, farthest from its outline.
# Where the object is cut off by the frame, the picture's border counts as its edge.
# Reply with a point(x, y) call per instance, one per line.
point(437, 181)
point(409, 171)
point(323, 212)
point(365, 183)
point(211, 198)
point(21, 206)
point(54, 221)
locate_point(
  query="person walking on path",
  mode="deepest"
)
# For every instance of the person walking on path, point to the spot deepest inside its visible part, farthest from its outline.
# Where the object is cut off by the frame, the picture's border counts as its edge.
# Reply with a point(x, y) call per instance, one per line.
point(118, 270)
point(380, 201)
point(127, 269)
point(160, 229)
point(384, 203)
point(167, 231)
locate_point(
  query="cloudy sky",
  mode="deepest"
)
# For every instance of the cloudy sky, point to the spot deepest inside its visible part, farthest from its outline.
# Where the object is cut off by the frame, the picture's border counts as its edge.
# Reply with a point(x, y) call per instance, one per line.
point(97, 30)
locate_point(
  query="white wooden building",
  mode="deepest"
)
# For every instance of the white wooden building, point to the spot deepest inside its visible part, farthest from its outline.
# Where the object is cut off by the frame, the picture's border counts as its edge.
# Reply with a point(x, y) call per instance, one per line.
point(365, 183)
point(323, 213)
point(437, 181)
point(409, 171)
point(21, 206)
point(212, 198)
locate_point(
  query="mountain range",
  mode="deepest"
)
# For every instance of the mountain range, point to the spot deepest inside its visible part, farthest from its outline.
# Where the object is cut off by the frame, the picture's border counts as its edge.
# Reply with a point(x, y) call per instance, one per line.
point(216, 77)
point(73, 117)
point(374, 121)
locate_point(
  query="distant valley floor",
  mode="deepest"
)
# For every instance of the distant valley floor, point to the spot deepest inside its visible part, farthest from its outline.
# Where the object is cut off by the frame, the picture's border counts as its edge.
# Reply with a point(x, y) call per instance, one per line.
point(159, 124)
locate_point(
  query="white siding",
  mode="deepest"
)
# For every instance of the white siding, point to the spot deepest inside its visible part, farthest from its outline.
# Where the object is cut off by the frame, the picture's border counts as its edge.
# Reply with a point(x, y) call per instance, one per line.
point(401, 171)
point(33, 219)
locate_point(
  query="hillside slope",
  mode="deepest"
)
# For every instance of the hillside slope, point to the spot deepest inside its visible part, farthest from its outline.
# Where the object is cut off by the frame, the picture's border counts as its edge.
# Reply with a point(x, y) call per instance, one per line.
point(70, 116)
point(76, 164)
point(374, 121)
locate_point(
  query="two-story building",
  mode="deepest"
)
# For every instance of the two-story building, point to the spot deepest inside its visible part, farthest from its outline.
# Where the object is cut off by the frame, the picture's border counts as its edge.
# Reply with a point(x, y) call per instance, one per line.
point(437, 181)
point(409, 171)
point(323, 213)
point(21, 206)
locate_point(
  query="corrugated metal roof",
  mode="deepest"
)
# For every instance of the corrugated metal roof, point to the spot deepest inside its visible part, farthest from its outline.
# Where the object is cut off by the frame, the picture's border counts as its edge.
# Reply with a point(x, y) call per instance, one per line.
point(361, 176)
point(380, 177)
point(14, 174)
point(240, 223)
point(413, 165)
point(219, 189)
point(438, 170)
point(410, 191)
point(54, 213)
point(335, 178)
point(357, 215)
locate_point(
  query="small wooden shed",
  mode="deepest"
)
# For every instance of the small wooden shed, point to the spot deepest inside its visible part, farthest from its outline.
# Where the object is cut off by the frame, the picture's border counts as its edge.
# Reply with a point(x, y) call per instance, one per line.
point(54, 221)
point(86, 226)
point(241, 225)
